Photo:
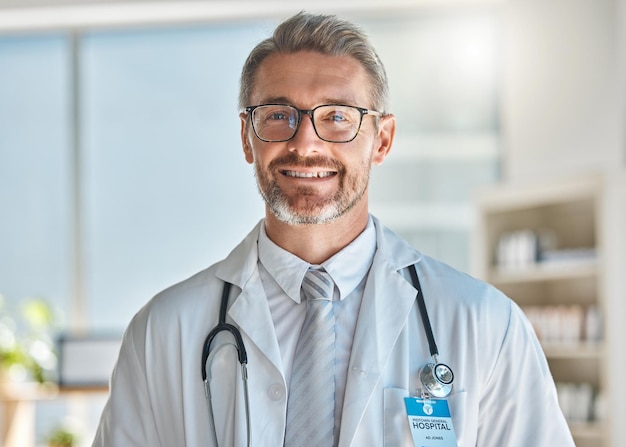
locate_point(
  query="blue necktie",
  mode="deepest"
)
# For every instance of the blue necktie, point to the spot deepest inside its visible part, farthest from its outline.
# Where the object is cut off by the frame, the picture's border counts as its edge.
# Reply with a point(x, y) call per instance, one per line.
point(311, 404)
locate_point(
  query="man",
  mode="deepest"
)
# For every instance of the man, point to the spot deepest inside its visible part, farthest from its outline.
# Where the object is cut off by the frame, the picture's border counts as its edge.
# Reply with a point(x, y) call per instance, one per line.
point(314, 120)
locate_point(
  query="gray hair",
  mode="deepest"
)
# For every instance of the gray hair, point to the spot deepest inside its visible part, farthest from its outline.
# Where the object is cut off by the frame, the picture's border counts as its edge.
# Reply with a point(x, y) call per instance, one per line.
point(324, 34)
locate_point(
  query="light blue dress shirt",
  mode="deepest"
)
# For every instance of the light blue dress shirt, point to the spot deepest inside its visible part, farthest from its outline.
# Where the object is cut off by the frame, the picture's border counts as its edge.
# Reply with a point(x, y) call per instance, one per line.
point(282, 274)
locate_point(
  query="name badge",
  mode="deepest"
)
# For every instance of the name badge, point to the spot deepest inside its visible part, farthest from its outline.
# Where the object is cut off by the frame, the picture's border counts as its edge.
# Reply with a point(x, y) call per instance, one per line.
point(430, 422)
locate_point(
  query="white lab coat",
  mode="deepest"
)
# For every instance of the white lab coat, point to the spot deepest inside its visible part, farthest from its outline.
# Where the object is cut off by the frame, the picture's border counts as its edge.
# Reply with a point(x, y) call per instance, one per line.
point(504, 395)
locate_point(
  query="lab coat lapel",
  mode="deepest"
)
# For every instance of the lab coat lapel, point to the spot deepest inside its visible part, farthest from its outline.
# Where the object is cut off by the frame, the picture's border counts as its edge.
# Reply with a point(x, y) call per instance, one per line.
point(387, 300)
point(250, 311)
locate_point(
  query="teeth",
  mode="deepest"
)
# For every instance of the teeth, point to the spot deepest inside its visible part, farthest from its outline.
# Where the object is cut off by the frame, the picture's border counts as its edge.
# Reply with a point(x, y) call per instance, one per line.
point(308, 174)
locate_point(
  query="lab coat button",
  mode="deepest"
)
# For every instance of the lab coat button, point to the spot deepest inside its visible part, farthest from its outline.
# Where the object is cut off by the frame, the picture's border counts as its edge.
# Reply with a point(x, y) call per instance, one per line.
point(361, 372)
point(276, 391)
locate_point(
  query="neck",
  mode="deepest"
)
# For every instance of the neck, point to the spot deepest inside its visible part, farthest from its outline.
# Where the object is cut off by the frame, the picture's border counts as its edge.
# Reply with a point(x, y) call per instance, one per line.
point(316, 243)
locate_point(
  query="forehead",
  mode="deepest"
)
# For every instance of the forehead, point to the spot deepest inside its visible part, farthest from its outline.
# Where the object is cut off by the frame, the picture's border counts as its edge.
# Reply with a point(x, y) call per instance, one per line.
point(307, 79)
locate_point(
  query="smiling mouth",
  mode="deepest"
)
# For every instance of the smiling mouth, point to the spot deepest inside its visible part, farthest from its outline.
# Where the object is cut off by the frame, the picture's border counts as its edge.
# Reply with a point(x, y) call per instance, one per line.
point(299, 174)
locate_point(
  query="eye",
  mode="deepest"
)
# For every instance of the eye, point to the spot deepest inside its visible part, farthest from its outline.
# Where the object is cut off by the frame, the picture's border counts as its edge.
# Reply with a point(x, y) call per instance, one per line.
point(334, 115)
point(276, 116)
point(339, 116)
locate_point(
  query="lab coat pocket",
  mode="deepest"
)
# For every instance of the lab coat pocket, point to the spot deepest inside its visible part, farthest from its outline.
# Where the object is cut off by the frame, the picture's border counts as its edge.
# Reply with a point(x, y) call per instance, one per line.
point(396, 425)
point(457, 403)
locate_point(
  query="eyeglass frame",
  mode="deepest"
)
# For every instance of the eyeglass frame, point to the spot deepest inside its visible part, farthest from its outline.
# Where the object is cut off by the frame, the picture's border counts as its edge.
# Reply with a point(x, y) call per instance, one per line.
point(362, 111)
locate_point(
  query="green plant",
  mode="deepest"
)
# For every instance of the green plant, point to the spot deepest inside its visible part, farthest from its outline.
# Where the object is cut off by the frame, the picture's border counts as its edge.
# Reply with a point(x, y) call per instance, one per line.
point(61, 437)
point(26, 347)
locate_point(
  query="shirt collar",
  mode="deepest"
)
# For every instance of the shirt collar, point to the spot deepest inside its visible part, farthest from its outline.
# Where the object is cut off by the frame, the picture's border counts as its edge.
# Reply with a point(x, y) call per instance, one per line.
point(347, 268)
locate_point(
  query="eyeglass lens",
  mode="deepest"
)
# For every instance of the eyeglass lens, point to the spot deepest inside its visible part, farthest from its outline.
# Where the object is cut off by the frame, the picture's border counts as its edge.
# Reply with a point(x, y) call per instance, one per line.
point(334, 123)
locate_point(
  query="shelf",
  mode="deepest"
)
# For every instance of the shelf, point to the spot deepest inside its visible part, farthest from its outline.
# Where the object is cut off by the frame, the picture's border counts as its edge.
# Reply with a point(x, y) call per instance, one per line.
point(545, 272)
point(582, 351)
point(27, 391)
point(17, 405)
point(512, 198)
point(30, 391)
point(588, 430)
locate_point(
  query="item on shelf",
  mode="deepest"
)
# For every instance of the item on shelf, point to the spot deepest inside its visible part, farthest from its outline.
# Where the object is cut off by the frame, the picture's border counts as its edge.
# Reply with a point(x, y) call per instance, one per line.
point(568, 255)
point(526, 248)
point(517, 249)
point(593, 324)
point(577, 401)
point(566, 324)
point(599, 406)
point(87, 360)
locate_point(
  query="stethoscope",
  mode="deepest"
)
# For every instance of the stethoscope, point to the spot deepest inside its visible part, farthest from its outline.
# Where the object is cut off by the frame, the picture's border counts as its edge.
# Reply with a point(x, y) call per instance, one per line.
point(436, 378)
point(208, 354)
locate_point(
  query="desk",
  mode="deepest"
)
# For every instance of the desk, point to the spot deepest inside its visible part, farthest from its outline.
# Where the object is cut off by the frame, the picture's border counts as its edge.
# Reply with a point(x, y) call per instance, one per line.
point(19, 401)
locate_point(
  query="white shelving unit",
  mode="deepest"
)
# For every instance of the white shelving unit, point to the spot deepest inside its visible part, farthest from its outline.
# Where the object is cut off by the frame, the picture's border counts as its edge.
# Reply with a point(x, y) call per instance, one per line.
point(563, 294)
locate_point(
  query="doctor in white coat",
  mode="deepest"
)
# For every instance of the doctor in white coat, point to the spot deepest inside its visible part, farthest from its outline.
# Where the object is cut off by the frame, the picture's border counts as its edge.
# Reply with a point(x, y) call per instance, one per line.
point(312, 166)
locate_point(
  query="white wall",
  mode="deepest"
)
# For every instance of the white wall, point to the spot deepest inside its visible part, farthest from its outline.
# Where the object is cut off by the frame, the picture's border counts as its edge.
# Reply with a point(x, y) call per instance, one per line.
point(563, 114)
point(562, 108)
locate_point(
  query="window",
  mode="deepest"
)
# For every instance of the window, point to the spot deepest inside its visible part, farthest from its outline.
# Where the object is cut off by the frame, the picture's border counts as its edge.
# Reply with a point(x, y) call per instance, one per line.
point(35, 160)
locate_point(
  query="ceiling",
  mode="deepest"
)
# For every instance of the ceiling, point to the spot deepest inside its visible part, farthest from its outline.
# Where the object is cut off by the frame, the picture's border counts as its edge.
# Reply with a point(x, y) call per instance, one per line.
point(37, 15)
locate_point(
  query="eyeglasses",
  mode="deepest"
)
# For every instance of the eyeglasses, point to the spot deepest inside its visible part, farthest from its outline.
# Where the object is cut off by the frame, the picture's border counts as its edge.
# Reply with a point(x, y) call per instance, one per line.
point(275, 123)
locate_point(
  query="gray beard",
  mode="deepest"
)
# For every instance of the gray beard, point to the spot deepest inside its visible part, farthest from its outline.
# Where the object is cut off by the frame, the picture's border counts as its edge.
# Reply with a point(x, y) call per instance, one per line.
point(318, 211)
point(279, 206)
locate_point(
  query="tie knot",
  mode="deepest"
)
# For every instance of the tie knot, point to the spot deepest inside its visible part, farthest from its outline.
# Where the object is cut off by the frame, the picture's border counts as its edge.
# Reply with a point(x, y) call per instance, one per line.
point(318, 285)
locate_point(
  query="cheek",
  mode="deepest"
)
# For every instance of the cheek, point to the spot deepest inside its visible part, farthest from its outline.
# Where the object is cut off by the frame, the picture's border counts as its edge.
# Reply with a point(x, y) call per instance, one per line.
point(365, 156)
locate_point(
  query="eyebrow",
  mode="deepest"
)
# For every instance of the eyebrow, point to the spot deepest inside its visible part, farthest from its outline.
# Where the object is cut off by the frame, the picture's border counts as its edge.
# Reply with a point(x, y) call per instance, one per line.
point(275, 100)
point(287, 101)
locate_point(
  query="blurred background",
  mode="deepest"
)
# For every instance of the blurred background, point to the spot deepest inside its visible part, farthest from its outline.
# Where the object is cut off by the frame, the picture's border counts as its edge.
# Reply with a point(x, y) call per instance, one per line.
point(121, 173)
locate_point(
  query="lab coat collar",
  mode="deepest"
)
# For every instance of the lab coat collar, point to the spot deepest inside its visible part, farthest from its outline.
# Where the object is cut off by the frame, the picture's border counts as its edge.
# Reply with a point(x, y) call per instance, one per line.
point(241, 263)
point(395, 251)
point(238, 267)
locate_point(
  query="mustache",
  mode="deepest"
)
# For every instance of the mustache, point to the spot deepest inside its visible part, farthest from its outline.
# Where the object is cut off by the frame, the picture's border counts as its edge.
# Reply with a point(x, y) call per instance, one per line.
point(296, 160)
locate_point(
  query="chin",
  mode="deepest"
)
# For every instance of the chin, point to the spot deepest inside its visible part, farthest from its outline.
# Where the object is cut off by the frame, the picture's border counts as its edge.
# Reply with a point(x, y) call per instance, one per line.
point(306, 219)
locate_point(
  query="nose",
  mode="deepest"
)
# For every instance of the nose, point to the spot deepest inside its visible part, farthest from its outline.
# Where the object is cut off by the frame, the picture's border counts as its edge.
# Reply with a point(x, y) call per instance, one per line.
point(305, 140)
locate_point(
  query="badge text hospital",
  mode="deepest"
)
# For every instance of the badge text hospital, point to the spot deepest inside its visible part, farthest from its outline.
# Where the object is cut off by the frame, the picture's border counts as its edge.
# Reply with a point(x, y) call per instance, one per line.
point(430, 422)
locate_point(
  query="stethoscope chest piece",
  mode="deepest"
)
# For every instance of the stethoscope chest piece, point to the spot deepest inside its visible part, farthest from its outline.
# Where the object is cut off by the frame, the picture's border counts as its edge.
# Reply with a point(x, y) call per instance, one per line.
point(437, 379)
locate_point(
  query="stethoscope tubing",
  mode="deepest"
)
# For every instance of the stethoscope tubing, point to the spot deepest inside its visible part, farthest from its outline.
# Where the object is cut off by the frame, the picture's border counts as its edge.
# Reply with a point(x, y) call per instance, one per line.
point(242, 355)
point(421, 304)
point(208, 354)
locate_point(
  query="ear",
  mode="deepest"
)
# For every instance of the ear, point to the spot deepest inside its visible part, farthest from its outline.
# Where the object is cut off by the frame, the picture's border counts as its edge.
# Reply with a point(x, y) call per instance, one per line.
point(245, 142)
point(386, 132)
